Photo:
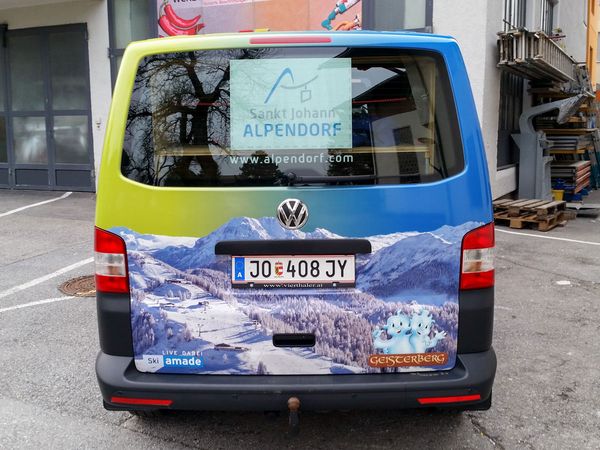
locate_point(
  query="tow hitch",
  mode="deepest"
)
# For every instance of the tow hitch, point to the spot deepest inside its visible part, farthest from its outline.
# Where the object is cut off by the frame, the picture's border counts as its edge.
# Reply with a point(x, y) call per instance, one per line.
point(294, 421)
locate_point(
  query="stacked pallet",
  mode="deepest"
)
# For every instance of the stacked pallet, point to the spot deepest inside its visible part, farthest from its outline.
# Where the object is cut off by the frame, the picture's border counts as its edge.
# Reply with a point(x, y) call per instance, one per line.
point(540, 215)
point(569, 142)
point(571, 176)
point(574, 145)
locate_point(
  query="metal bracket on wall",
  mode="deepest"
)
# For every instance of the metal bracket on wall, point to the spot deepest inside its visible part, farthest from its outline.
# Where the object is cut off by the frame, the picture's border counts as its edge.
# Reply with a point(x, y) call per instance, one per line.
point(534, 161)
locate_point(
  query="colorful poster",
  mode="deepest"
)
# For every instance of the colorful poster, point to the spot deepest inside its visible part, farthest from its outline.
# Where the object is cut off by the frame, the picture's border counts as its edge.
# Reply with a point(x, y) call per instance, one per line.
point(189, 17)
point(301, 103)
point(401, 316)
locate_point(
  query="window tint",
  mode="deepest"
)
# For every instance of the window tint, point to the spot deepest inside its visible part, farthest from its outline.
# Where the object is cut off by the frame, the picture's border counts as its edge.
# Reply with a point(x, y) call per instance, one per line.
point(400, 114)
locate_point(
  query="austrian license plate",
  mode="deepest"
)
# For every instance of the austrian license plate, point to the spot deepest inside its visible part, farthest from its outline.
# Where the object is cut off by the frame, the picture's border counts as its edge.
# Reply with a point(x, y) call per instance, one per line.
point(309, 271)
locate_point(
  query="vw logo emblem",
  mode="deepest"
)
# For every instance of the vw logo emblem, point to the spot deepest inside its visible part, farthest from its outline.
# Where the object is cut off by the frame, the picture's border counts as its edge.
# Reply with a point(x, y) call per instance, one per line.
point(292, 214)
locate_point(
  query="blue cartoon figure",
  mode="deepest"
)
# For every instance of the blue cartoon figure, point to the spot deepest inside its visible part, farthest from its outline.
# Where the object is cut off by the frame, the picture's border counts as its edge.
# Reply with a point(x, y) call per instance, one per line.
point(420, 325)
point(407, 335)
point(398, 330)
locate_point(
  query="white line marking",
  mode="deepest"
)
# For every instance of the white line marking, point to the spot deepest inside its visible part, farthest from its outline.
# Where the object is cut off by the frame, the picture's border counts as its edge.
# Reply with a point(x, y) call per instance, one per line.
point(8, 213)
point(549, 237)
point(39, 302)
point(39, 280)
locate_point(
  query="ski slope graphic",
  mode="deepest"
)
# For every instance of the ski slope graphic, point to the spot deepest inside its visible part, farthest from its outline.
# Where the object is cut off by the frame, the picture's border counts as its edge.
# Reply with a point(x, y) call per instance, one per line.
point(184, 318)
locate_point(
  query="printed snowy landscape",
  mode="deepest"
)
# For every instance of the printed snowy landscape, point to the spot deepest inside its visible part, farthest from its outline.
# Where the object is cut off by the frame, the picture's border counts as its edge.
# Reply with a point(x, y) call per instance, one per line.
point(186, 318)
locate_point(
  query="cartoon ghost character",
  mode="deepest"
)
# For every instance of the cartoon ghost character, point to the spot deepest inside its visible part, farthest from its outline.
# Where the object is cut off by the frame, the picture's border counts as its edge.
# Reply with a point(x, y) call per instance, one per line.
point(420, 325)
point(341, 6)
point(398, 331)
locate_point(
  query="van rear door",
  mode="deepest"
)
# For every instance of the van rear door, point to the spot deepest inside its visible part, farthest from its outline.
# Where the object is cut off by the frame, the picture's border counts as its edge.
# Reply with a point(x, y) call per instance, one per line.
point(298, 209)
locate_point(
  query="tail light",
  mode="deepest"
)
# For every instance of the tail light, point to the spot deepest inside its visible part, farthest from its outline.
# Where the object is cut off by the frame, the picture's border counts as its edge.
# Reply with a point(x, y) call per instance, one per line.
point(141, 401)
point(452, 399)
point(477, 265)
point(273, 40)
point(111, 262)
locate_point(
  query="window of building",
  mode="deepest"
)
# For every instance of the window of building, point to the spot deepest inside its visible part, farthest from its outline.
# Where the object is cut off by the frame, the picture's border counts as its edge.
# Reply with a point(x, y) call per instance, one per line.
point(514, 14)
point(511, 93)
point(547, 15)
point(392, 15)
point(129, 20)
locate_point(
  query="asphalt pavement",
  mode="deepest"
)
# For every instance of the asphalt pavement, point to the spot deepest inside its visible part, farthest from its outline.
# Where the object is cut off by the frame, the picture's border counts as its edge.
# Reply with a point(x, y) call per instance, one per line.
point(547, 339)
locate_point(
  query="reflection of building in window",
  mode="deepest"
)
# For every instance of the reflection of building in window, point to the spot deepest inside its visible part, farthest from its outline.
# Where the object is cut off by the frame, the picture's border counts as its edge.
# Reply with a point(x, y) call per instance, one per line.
point(403, 136)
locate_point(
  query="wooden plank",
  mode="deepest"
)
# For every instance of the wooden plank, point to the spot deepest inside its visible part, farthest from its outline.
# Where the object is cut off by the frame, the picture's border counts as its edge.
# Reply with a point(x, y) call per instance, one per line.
point(549, 210)
point(507, 204)
point(566, 152)
point(571, 164)
point(528, 203)
point(539, 203)
point(567, 131)
point(553, 204)
point(502, 202)
point(516, 209)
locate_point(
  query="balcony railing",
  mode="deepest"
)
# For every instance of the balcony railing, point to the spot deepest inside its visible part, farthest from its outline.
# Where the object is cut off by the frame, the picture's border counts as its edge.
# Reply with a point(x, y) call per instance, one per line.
point(534, 56)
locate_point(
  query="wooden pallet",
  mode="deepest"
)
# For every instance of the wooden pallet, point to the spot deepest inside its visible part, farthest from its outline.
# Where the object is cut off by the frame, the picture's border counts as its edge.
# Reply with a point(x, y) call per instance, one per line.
point(538, 214)
point(531, 221)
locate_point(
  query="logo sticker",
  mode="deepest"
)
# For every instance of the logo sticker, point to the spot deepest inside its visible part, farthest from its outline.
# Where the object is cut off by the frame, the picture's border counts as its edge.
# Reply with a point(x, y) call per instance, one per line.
point(303, 103)
point(405, 341)
point(183, 361)
point(414, 360)
point(292, 214)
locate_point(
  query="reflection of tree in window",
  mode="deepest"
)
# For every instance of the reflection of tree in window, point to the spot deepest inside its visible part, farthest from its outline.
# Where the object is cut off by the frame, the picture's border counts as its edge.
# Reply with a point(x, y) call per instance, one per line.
point(179, 117)
point(259, 170)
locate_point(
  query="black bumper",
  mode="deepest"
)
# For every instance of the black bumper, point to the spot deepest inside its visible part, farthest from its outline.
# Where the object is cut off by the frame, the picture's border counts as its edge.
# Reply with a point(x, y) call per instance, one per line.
point(473, 374)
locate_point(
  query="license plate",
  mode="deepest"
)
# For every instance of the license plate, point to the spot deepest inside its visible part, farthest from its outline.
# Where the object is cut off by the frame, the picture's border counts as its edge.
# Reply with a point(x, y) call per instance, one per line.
point(309, 271)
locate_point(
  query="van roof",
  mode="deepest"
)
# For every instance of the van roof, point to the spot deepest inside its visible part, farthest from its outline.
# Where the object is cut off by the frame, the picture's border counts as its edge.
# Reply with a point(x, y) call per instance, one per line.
point(338, 38)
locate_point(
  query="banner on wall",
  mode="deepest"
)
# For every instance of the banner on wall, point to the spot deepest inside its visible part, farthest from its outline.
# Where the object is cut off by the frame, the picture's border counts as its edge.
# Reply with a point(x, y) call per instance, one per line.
point(189, 17)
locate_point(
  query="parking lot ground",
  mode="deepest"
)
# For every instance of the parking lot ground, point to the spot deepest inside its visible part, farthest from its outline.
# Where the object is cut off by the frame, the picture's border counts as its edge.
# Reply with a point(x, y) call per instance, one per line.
point(547, 339)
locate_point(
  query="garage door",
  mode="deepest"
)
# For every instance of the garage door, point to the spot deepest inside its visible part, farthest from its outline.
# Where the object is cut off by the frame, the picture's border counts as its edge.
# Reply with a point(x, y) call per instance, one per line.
point(45, 121)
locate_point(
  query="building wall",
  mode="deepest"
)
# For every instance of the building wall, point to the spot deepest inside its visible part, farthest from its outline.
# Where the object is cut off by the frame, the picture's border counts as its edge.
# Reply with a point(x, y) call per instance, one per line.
point(571, 18)
point(475, 24)
point(475, 27)
point(94, 14)
point(592, 40)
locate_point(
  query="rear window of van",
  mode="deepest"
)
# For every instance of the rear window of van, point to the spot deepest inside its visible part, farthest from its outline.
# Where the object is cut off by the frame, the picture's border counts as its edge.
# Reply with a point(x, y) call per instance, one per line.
point(291, 116)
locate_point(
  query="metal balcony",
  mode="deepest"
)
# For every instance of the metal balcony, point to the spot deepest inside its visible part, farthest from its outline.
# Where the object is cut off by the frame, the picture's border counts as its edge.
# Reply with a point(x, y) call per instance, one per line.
point(534, 56)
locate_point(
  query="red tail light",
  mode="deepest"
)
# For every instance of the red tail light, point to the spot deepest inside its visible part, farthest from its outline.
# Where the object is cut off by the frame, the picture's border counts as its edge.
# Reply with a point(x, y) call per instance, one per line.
point(477, 264)
point(290, 40)
point(453, 399)
point(141, 401)
point(111, 262)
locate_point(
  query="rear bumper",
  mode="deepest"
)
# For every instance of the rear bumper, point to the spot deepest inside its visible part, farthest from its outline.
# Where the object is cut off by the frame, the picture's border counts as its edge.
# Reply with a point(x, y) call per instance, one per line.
point(473, 374)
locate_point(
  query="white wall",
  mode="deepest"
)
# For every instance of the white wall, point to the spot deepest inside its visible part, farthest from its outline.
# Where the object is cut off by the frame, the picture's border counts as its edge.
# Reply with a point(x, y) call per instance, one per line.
point(95, 14)
point(474, 24)
point(571, 17)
